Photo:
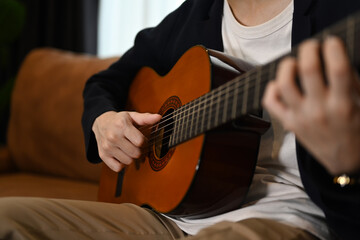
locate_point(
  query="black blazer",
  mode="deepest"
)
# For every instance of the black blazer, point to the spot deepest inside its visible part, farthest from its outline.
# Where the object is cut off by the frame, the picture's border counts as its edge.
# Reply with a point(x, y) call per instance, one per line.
point(199, 22)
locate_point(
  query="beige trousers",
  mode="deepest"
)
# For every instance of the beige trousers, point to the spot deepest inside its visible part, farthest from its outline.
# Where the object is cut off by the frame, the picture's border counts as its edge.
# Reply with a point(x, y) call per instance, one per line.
point(40, 218)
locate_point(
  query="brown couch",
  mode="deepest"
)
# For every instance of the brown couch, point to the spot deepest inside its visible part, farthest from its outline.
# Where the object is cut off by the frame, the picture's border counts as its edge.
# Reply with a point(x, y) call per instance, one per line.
point(45, 155)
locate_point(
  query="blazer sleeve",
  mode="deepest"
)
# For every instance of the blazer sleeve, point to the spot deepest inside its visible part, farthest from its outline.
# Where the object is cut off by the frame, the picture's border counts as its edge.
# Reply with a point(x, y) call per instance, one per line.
point(341, 205)
point(107, 90)
point(159, 48)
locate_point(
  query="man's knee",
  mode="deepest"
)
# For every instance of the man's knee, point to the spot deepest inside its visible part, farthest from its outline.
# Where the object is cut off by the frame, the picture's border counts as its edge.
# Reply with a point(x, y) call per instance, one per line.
point(255, 228)
point(10, 209)
point(12, 217)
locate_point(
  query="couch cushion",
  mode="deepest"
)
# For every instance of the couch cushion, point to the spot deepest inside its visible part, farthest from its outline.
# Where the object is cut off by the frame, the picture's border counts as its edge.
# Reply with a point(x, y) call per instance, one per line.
point(6, 164)
point(42, 186)
point(45, 134)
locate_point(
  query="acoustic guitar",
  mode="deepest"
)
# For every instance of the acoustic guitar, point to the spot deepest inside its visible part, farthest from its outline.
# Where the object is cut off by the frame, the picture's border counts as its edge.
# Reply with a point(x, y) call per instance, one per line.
point(201, 156)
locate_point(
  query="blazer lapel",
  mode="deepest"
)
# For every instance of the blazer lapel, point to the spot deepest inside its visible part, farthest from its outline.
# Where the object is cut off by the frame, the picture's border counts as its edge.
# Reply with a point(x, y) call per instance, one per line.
point(302, 20)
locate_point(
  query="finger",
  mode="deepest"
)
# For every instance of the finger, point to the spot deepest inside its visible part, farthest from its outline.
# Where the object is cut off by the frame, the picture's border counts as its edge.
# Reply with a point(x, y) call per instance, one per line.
point(134, 136)
point(272, 102)
point(286, 84)
point(109, 152)
point(121, 157)
point(129, 149)
point(144, 118)
point(113, 164)
point(310, 69)
point(337, 67)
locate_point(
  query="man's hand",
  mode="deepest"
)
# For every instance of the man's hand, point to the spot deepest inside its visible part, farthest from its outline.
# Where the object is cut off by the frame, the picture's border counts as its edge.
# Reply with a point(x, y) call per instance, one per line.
point(325, 113)
point(118, 136)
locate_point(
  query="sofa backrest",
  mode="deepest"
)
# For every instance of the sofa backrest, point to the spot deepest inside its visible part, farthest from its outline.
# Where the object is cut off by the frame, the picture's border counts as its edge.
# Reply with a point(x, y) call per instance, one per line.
point(45, 133)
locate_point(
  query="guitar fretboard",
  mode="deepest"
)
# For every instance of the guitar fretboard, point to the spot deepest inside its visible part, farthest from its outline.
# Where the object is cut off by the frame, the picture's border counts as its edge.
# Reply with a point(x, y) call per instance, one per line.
point(243, 94)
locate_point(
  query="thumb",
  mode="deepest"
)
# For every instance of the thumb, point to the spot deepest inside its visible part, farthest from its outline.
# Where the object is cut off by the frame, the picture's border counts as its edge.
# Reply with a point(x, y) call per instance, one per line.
point(144, 118)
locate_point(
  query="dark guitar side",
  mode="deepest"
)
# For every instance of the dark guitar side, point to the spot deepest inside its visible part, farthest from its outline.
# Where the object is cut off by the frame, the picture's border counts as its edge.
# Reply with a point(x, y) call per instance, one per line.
point(206, 175)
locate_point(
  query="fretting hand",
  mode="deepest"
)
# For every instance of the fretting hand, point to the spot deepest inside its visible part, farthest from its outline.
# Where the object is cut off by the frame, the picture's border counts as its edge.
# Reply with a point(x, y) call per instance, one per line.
point(325, 114)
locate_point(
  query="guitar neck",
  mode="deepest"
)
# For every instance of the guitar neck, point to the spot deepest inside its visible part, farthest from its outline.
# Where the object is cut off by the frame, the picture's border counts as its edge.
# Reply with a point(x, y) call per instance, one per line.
point(243, 94)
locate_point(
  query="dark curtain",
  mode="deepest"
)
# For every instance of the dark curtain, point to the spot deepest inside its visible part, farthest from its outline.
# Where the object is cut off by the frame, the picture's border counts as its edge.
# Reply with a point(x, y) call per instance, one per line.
point(64, 24)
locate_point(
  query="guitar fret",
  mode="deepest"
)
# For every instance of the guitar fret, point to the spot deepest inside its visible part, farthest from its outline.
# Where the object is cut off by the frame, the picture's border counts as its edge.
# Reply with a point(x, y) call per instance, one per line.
point(197, 116)
point(182, 122)
point(191, 115)
point(187, 121)
point(230, 102)
point(203, 113)
point(217, 102)
point(257, 88)
point(273, 69)
point(224, 115)
point(181, 127)
point(245, 95)
point(236, 92)
point(184, 130)
point(210, 110)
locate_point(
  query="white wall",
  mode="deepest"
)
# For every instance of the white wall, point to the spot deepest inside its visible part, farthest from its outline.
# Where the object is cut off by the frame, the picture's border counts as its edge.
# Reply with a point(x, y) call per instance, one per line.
point(121, 20)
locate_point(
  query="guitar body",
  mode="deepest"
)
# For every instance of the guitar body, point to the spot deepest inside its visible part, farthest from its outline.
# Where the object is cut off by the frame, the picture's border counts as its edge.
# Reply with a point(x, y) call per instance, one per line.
point(203, 154)
point(204, 176)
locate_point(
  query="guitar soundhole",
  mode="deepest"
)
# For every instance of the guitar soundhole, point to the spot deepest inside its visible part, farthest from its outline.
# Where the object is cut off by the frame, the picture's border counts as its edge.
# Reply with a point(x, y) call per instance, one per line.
point(163, 135)
point(161, 152)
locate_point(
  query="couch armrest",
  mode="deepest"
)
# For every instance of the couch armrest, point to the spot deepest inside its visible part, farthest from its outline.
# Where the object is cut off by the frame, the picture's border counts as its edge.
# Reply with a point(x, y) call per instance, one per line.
point(6, 164)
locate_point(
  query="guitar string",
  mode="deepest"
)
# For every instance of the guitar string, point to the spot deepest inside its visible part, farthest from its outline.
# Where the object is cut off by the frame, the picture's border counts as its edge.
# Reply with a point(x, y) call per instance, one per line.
point(204, 98)
point(213, 109)
point(187, 110)
point(352, 20)
point(222, 88)
point(213, 104)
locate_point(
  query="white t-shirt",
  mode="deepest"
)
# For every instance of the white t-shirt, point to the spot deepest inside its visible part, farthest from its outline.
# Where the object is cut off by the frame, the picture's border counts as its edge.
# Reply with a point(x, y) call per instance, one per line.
point(276, 191)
